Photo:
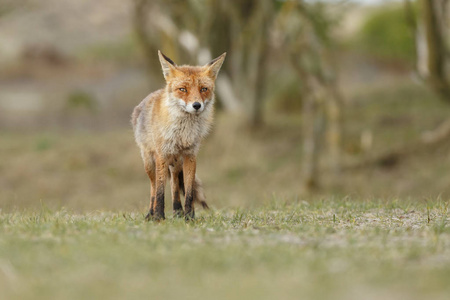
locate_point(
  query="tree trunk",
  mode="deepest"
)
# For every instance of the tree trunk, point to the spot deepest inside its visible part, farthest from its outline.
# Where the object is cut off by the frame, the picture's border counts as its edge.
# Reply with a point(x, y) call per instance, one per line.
point(140, 13)
point(313, 125)
point(249, 47)
point(435, 58)
point(259, 68)
point(334, 126)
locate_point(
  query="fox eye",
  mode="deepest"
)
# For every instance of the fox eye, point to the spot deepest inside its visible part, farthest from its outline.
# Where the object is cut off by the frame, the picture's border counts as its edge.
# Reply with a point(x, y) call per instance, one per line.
point(183, 90)
point(204, 89)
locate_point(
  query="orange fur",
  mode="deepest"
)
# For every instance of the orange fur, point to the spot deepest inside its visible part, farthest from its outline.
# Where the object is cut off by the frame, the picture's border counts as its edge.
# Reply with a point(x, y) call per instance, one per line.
point(169, 125)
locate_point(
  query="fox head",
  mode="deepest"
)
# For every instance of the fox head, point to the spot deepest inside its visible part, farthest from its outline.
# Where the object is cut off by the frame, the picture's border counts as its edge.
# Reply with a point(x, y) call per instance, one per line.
point(190, 89)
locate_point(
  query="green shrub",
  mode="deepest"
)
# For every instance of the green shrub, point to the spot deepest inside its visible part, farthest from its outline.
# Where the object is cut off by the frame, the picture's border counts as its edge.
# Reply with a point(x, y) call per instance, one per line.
point(285, 95)
point(386, 34)
point(81, 100)
point(119, 51)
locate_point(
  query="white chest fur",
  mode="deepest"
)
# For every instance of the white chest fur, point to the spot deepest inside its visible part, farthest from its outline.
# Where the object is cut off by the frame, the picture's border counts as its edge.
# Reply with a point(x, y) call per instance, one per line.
point(181, 134)
point(184, 133)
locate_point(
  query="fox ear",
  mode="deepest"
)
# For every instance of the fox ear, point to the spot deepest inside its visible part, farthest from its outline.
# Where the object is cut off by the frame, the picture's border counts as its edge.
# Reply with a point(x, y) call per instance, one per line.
point(166, 63)
point(214, 66)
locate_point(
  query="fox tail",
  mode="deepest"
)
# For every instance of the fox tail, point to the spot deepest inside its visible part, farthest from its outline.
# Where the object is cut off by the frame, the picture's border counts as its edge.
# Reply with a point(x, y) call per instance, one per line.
point(199, 195)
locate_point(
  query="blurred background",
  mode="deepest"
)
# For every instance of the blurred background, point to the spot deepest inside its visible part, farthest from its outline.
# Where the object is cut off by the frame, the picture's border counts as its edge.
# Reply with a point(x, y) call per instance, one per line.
point(315, 99)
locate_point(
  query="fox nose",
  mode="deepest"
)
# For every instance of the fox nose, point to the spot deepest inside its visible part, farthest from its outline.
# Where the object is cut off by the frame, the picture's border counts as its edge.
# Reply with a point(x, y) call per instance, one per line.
point(196, 105)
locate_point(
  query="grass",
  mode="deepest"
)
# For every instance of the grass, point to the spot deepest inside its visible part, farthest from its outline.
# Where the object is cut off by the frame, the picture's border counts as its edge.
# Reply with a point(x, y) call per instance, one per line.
point(333, 249)
point(259, 241)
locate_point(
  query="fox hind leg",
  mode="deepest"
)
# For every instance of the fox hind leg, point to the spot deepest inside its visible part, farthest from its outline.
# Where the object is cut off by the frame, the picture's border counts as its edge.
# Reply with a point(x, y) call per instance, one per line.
point(149, 165)
point(175, 172)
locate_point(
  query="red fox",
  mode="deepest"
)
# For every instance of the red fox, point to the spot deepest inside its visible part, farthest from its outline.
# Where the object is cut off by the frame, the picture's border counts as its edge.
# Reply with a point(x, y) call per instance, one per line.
point(169, 125)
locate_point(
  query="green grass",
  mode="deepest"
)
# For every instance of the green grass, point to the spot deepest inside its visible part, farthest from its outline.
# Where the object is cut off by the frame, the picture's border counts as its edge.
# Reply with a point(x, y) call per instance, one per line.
point(332, 249)
point(254, 244)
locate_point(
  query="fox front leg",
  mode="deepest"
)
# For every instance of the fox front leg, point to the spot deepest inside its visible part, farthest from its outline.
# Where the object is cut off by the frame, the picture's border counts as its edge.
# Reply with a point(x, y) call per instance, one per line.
point(161, 172)
point(175, 176)
point(189, 167)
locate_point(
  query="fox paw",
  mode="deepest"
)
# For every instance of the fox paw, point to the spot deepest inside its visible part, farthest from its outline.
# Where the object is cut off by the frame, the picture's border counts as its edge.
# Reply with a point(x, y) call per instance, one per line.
point(158, 217)
point(189, 216)
point(178, 213)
